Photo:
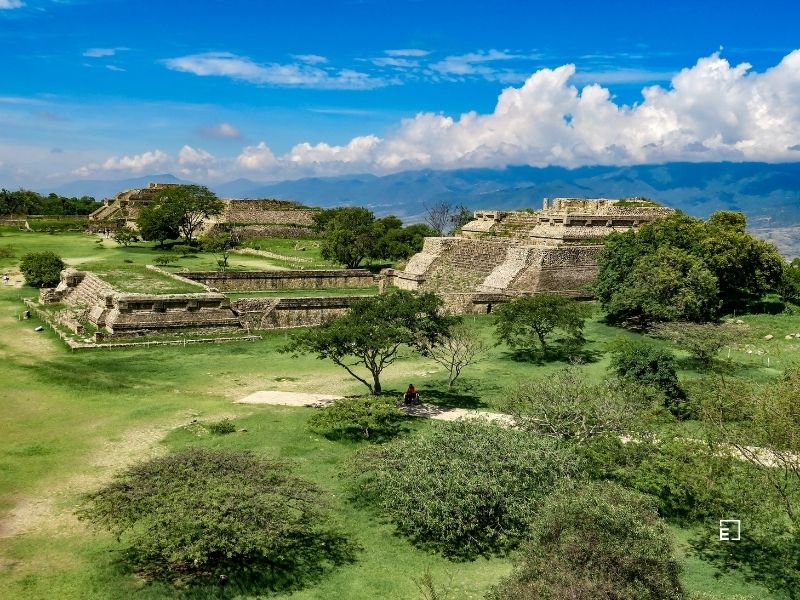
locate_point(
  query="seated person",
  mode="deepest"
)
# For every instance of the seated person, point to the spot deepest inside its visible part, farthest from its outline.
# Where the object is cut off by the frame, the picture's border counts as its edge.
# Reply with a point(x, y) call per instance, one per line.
point(411, 394)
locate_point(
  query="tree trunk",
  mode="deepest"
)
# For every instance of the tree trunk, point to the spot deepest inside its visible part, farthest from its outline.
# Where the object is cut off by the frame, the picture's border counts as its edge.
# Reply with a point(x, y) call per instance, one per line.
point(376, 384)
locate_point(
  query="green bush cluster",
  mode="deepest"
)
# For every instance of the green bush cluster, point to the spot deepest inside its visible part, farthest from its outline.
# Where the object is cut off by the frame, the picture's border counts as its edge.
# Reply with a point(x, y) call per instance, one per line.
point(222, 427)
point(42, 269)
point(595, 541)
point(682, 268)
point(371, 418)
point(195, 515)
point(465, 488)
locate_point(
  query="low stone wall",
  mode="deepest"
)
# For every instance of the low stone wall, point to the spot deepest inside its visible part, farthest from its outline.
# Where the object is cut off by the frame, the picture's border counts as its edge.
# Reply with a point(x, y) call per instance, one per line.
point(282, 313)
point(266, 211)
point(250, 281)
point(169, 311)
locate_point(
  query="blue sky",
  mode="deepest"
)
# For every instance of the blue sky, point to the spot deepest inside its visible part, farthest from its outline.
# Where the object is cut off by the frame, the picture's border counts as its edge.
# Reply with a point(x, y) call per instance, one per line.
point(216, 90)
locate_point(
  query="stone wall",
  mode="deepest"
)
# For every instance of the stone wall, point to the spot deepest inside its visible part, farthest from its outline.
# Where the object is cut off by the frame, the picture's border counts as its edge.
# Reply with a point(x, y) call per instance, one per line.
point(281, 313)
point(243, 281)
point(130, 312)
point(267, 211)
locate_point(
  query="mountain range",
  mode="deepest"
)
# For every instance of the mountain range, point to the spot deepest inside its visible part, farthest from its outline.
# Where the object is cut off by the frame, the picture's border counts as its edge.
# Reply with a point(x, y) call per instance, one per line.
point(768, 193)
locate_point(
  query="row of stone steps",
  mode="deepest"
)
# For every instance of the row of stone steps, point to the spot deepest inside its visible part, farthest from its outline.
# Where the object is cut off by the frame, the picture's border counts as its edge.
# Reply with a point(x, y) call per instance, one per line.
point(89, 292)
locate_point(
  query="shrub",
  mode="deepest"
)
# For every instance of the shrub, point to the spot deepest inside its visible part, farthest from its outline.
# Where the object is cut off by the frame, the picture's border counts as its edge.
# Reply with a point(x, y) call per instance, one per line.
point(192, 516)
point(42, 269)
point(222, 427)
point(125, 236)
point(464, 488)
point(690, 481)
point(595, 541)
point(163, 260)
point(183, 249)
point(568, 407)
point(358, 418)
point(702, 340)
point(648, 364)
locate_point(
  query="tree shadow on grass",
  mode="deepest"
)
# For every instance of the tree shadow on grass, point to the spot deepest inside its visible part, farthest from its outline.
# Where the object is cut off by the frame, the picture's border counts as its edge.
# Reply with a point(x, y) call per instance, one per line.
point(461, 396)
point(566, 353)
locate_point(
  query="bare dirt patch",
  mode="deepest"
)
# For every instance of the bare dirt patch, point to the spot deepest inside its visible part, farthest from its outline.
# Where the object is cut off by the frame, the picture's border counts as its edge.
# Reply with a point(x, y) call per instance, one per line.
point(428, 411)
point(281, 398)
point(51, 511)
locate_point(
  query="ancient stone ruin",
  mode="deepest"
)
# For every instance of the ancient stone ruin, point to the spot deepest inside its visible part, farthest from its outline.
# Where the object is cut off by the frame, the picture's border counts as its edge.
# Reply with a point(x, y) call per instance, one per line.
point(500, 255)
point(253, 218)
point(88, 306)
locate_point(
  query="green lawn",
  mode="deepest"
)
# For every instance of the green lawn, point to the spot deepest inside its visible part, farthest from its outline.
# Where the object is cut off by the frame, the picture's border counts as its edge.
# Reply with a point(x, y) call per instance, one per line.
point(70, 419)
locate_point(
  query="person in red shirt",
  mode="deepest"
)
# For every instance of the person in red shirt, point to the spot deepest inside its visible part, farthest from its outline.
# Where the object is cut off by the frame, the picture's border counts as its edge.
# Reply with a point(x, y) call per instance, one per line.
point(411, 394)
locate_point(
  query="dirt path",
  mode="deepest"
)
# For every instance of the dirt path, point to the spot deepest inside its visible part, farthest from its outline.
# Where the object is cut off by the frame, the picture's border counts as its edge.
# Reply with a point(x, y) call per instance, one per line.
point(429, 411)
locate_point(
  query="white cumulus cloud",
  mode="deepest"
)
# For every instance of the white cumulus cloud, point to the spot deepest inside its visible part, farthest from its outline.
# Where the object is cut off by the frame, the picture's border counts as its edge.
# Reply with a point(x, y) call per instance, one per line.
point(11, 4)
point(711, 111)
point(257, 158)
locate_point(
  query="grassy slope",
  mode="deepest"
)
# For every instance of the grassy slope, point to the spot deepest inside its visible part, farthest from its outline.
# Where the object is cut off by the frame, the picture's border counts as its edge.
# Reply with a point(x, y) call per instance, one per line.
point(71, 418)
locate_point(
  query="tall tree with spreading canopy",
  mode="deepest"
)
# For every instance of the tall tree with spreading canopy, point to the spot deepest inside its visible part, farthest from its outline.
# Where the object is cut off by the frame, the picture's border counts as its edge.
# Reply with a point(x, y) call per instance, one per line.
point(194, 203)
point(675, 259)
point(371, 335)
point(526, 322)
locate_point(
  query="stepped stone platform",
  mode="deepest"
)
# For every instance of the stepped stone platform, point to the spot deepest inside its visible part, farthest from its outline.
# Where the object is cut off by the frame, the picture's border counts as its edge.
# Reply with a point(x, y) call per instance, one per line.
point(87, 302)
point(253, 217)
point(501, 254)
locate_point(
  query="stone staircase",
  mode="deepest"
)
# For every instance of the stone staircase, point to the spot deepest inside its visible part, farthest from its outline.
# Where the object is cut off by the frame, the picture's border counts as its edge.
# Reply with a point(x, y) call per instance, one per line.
point(503, 275)
point(89, 292)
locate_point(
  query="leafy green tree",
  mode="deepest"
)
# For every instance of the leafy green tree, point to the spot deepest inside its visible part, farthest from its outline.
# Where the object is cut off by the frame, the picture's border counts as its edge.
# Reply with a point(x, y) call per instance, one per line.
point(194, 204)
point(348, 236)
point(42, 269)
point(790, 283)
point(395, 242)
point(702, 340)
point(370, 418)
point(463, 488)
point(221, 242)
point(744, 267)
point(373, 332)
point(159, 222)
point(648, 364)
point(595, 541)
point(27, 202)
point(455, 351)
point(527, 321)
point(668, 285)
point(198, 514)
point(568, 407)
point(125, 236)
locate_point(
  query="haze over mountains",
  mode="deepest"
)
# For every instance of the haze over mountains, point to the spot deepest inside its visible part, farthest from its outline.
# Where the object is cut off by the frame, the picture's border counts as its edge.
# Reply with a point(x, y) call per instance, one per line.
point(768, 193)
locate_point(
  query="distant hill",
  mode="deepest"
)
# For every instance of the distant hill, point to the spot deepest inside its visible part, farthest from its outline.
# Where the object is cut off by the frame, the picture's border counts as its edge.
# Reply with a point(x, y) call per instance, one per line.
point(768, 193)
point(100, 189)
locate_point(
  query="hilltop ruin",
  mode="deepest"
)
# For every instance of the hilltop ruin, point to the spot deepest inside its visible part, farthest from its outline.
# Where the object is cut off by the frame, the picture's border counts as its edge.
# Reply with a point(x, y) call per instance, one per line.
point(278, 218)
point(500, 254)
